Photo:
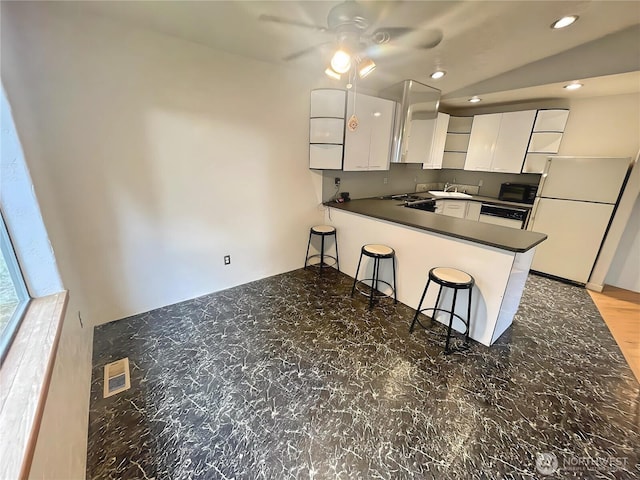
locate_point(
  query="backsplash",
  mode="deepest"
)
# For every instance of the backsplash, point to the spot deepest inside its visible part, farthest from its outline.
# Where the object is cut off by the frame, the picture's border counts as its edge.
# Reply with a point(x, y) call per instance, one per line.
point(404, 178)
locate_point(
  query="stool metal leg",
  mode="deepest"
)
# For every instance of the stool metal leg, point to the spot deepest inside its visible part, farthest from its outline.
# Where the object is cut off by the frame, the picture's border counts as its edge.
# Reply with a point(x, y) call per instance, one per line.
point(395, 292)
point(437, 304)
point(415, 317)
point(355, 280)
point(306, 258)
point(374, 280)
point(335, 234)
point(322, 254)
point(466, 340)
point(453, 306)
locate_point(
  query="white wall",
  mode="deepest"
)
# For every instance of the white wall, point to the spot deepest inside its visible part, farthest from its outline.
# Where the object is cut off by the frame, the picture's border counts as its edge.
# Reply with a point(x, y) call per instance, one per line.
point(155, 157)
point(610, 126)
point(22, 213)
point(152, 158)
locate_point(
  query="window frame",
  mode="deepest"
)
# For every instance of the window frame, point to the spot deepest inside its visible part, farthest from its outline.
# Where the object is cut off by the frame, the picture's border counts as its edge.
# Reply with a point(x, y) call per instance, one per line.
point(15, 272)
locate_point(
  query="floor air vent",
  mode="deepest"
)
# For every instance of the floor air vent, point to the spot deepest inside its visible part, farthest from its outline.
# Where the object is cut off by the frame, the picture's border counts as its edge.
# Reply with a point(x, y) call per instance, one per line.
point(116, 377)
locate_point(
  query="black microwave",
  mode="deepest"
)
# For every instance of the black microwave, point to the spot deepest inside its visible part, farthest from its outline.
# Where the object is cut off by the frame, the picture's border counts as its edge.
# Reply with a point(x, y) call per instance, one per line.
point(518, 192)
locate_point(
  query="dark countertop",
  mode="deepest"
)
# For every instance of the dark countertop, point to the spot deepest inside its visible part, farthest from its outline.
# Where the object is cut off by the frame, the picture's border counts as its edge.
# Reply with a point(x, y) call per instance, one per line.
point(505, 238)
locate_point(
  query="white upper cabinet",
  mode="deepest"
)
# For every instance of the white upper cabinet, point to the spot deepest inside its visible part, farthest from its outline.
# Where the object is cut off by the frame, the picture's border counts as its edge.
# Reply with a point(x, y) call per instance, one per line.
point(435, 153)
point(420, 137)
point(457, 142)
point(482, 142)
point(511, 145)
point(368, 146)
point(326, 129)
point(498, 141)
point(327, 103)
point(551, 120)
point(545, 139)
point(545, 142)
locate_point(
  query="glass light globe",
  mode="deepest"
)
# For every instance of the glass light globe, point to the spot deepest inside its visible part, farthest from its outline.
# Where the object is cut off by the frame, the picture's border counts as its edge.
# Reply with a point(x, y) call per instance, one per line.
point(341, 61)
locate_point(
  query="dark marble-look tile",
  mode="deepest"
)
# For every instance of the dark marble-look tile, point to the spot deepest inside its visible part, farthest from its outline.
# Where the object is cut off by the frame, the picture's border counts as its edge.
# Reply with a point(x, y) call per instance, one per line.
point(289, 377)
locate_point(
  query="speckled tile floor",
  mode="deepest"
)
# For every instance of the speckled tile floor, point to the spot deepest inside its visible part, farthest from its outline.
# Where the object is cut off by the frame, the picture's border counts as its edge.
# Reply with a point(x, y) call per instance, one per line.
point(288, 377)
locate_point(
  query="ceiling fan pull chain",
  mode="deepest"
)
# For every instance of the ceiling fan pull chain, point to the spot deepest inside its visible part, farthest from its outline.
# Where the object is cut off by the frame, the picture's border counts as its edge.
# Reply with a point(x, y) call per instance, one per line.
point(353, 120)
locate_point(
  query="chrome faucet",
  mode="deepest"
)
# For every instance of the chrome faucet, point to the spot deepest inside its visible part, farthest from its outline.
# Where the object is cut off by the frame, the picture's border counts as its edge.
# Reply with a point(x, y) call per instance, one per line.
point(448, 186)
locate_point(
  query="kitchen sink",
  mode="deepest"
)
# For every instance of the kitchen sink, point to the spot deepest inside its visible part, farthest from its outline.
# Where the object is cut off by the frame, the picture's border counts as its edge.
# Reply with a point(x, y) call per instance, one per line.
point(441, 194)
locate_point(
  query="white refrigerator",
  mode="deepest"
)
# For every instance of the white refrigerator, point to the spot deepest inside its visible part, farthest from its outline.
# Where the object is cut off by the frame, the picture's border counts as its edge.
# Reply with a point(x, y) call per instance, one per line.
point(575, 201)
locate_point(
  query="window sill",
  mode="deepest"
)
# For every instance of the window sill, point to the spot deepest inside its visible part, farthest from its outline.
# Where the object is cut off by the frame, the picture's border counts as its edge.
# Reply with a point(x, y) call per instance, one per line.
point(24, 382)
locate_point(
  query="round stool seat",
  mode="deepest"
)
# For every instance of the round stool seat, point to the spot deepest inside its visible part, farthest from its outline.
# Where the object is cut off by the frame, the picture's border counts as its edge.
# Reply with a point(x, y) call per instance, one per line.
point(451, 277)
point(376, 250)
point(323, 229)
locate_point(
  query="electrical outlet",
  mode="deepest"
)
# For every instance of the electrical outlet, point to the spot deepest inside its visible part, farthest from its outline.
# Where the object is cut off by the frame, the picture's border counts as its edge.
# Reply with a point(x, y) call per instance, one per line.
point(385, 180)
point(227, 259)
point(337, 181)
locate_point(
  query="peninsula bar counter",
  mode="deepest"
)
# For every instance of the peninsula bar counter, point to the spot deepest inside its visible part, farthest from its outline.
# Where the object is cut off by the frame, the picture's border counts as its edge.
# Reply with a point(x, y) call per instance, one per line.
point(497, 257)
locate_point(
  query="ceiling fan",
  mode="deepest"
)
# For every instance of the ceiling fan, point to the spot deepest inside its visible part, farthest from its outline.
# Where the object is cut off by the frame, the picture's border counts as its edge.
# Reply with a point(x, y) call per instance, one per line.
point(349, 22)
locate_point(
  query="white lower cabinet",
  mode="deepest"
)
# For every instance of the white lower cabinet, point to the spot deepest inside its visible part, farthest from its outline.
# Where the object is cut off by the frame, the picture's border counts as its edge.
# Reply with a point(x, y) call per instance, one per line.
point(368, 146)
point(473, 211)
point(459, 209)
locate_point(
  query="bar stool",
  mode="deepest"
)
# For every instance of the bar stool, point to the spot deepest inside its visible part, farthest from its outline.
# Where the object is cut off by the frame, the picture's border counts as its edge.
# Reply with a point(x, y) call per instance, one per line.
point(377, 252)
point(450, 278)
point(323, 231)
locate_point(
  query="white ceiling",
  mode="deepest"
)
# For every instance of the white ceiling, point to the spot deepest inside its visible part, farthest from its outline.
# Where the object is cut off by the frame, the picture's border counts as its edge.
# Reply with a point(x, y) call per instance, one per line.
point(503, 51)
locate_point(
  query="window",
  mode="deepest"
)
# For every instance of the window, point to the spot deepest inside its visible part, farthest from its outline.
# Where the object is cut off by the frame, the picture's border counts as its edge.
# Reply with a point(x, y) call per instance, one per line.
point(13, 292)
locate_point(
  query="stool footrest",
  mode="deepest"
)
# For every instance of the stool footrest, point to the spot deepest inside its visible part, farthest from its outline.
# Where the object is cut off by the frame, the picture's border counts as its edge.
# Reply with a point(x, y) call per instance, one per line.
point(434, 310)
point(377, 293)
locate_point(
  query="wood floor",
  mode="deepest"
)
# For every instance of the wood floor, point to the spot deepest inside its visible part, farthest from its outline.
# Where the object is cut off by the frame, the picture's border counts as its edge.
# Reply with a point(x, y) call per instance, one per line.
point(621, 312)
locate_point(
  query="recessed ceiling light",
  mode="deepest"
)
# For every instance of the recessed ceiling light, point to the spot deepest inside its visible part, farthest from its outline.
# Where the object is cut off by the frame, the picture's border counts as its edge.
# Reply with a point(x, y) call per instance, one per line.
point(438, 74)
point(475, 99)
point(573, 86)
point(564, 22)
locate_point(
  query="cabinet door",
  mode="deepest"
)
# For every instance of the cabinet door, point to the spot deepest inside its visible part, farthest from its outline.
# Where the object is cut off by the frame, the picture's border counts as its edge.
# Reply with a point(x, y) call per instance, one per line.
point(454, 208)
point(512, 141)
point(381, 115)
point(325, 156)
point(482, 142)
point(419, 140)
point(473, 211)
point(357, 143)
point(535, 162)
point(437, 145)
point(551, 120)
point(545, 142)
point(327, 103)
point(326, 130)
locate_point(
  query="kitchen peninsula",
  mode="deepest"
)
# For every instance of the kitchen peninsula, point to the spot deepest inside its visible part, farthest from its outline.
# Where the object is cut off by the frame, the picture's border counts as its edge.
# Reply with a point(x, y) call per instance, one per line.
point(497, 257)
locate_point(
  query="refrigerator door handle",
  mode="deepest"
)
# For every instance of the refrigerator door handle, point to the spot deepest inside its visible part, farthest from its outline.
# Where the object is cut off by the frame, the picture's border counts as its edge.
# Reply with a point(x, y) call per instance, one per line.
point(532, 216)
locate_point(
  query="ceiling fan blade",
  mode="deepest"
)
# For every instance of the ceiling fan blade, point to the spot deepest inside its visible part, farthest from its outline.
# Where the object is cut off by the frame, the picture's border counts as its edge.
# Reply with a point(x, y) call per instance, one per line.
point(286, 21)
point(304, 51)
point(421, 38)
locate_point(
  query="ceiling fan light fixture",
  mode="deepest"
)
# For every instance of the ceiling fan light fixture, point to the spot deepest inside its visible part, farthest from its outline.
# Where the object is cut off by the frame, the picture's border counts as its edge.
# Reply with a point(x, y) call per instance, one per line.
point(330, 73)
point(564, 22)
point(365, 67)
point(438, 74)
point(341, 61)
point(474, 99)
